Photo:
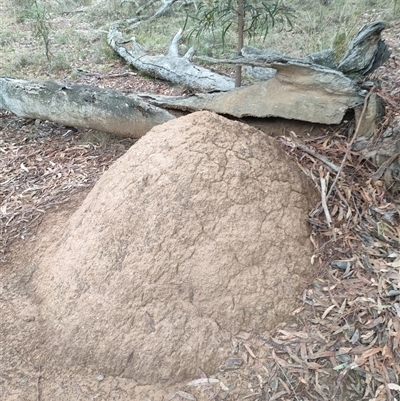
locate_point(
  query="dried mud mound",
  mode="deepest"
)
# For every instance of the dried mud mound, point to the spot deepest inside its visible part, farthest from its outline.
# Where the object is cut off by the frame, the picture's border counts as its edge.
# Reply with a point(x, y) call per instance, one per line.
point(197, 233)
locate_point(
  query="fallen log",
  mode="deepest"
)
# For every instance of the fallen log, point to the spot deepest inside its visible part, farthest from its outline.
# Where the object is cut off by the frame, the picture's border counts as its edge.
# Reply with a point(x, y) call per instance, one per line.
point(171, 67)
point(81, 106)
point(297, 91)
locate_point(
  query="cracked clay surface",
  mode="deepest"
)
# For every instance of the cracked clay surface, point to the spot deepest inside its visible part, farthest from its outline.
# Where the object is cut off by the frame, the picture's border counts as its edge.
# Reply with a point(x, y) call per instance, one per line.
point(196, 234)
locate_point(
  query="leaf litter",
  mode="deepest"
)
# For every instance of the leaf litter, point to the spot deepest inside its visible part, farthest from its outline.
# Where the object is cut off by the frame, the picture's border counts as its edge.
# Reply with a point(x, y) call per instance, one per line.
point(42, 165)
point(343, 342)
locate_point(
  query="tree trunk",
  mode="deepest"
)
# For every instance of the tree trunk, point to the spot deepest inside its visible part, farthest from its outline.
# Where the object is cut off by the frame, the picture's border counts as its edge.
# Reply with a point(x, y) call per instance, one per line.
point(80, 106)
point(238, 78)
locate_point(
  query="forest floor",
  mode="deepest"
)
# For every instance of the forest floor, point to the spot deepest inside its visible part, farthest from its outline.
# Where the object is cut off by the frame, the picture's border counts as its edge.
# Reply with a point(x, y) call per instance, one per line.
point(342, 344)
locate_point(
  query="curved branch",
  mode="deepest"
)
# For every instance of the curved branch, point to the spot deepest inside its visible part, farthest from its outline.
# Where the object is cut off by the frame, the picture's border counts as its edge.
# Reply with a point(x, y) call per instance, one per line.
point(172, 67)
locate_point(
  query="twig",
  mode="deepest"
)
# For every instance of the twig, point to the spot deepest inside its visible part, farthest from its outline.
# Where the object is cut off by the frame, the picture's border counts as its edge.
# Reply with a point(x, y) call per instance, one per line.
point(121, 75)
point(290, 384)
point(318, 156)
point(97, 74)
point(323, 197)
point(313, 153)
point(37, 385)
point(240, 60)
point(144, 6)
point(351, 142)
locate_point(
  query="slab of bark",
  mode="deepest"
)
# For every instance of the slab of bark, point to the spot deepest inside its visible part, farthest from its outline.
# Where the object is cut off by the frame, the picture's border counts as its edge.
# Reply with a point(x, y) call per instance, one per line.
point(297, 91)
point(80, 106)
point(367, 51)
point(171, 67)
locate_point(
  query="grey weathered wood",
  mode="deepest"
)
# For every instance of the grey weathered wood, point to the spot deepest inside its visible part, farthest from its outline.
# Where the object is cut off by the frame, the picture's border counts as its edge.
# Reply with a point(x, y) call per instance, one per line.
point(297, 91)
point(171, 67)
point(367, 51)
point(80, 106)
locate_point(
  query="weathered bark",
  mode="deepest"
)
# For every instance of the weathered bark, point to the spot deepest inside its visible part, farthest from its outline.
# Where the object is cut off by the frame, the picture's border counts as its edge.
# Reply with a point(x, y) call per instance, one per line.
point(80, 106)
point(172, 67)
point(297, 91)
point(382, 149)
point(367, 51)
point(138, 19)
point(240, 43)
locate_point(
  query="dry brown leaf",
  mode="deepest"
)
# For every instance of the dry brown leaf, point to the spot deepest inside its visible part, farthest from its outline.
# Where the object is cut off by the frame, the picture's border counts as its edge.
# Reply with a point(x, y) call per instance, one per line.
point(290, 335)
point(202, 382)
point(327, 311)
point(185, 395)
point(249, 350)
point(278, 360)
point(370, 352)
point(277, 395)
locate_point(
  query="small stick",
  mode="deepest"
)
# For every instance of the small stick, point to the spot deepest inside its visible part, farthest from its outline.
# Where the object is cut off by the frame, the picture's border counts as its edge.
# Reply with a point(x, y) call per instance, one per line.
point(97, 74)
point(323, 197)
point(322, 158)
point(313, 153)
point(37, 386)
point(290, 384)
